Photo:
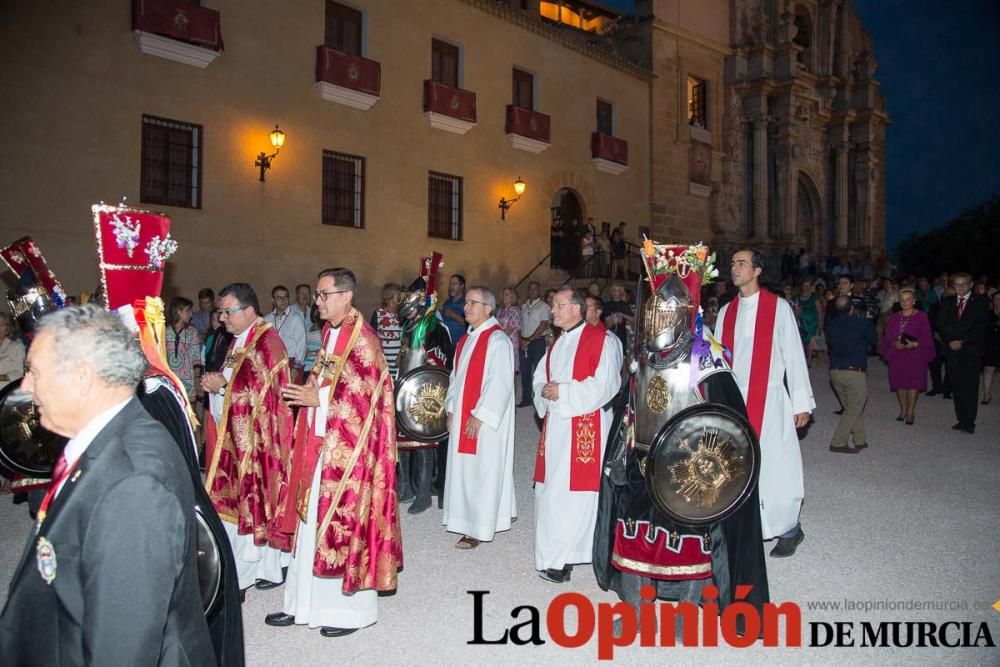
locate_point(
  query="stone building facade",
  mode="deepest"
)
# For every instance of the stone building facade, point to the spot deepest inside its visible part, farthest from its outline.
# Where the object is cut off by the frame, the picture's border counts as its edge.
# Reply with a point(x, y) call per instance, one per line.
point(93, 88)
point(783, 146)
point(728, 121)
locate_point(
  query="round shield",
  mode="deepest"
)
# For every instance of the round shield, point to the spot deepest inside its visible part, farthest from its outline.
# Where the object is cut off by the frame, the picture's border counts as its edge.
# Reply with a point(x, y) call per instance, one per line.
point(25, 447)
point(703, 464)
point(420, 396)
point(209, 566)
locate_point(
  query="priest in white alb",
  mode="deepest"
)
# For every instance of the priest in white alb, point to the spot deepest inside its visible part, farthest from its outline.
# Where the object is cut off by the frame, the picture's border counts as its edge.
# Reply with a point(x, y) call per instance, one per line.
point(759, 329)
point(574, 384)
point(479, 481)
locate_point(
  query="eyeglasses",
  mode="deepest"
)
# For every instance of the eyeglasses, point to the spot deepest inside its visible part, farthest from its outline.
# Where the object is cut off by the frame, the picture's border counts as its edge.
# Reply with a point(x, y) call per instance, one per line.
point(323, 295)
point(226, 312)
point(473, 301)
point(560, 305)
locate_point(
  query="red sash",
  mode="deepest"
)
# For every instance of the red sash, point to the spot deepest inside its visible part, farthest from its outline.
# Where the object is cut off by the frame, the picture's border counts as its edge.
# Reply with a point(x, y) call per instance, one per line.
point(473, 385)
point(308, 445)
point(585, 450)
point(760, 360)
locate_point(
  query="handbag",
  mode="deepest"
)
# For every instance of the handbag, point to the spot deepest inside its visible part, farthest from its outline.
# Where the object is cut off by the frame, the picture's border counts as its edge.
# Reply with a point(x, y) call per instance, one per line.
point(906, 338)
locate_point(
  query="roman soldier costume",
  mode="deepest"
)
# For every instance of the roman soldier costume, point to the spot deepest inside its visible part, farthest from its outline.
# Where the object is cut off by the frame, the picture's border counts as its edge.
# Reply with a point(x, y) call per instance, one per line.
point(679, 506)
point(425, 360)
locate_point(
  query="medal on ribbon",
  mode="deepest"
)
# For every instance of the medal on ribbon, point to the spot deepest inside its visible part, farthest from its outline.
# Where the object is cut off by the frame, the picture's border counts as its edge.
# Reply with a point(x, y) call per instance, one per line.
point(45, 555)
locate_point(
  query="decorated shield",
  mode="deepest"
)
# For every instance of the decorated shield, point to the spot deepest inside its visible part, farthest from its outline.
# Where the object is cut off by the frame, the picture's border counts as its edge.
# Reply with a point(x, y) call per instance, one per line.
point(26, 448)
point(703, 464)
point(420, 395)
point(209, 565)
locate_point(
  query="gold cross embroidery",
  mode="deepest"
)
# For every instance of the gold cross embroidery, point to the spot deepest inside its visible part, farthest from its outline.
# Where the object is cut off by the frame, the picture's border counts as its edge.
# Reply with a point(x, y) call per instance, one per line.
point(233, 356)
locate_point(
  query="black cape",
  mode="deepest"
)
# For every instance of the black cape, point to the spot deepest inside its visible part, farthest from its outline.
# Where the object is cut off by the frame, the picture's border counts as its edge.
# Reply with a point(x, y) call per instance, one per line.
point(225, 625)
point(737, 541)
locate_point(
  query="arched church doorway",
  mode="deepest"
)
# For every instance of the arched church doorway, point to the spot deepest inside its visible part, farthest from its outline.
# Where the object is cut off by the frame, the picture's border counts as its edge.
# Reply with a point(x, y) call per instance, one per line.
point(809, 218)
point(567, 229)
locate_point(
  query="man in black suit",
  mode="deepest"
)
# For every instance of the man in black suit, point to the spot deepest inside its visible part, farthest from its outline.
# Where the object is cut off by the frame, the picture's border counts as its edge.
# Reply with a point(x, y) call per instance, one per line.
point(109, 576)
point(962, 326)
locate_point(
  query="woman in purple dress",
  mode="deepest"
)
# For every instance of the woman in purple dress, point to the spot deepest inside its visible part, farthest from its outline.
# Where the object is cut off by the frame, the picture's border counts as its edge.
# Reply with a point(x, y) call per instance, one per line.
point(908, 347)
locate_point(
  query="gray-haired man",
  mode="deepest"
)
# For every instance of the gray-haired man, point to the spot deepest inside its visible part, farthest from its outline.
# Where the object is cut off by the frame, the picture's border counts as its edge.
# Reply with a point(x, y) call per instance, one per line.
point(111, 575)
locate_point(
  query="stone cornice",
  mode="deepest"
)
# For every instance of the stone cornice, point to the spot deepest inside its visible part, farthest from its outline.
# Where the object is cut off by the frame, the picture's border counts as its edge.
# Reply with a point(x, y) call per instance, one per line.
point(683, 33)
point(519, 18)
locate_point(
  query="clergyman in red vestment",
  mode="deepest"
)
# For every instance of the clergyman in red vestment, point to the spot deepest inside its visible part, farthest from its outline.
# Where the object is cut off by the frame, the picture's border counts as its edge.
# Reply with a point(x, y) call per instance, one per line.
point(249, 439)
point(341, 506)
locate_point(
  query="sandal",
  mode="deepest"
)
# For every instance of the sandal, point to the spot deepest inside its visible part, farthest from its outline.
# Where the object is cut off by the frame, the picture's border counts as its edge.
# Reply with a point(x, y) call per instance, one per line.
point(467, 543)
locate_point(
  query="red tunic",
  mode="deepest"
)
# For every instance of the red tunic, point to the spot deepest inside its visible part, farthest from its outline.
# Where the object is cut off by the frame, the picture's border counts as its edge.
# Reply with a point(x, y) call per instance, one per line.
point(358, 537)
point(248, 457)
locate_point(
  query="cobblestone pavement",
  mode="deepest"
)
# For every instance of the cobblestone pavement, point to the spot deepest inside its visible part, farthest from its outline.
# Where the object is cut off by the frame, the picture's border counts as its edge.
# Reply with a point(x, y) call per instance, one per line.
point(911, 522)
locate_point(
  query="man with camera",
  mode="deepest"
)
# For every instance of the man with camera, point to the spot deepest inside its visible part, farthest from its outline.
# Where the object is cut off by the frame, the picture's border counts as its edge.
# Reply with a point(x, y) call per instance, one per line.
point(849, 336)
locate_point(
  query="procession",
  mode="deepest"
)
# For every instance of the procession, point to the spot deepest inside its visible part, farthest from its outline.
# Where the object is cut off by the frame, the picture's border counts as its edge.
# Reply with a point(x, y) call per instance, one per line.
point(395, 333)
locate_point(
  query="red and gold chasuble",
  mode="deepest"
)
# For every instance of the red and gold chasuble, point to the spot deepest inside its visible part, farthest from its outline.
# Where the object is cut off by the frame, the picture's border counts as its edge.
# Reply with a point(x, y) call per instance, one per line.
point(585, 467)
point(760, 361)
point(357, 536)
point(473, 385)
point(248, 452)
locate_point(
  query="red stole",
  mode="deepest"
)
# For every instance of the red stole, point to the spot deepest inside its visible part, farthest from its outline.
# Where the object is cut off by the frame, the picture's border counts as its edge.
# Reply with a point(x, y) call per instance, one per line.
point(308, 445)
point(473, 385)
point(760, 361)
point(585, 449)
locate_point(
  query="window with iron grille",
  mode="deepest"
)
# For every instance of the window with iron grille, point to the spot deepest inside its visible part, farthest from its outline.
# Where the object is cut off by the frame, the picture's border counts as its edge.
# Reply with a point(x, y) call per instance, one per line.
point(444, 206)
point(524, 84)
point(697, 103)
point(605, 118)
point(170, 174)
point(343, 28)
point(343, 190)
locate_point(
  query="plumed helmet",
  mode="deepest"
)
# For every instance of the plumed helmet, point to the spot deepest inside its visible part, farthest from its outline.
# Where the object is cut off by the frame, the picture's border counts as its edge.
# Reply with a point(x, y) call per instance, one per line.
point(667, 315)
point(413, 300)
point(38, 292)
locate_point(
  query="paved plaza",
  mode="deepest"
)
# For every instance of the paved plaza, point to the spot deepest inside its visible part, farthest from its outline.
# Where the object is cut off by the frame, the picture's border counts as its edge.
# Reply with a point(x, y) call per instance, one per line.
point(911, 521)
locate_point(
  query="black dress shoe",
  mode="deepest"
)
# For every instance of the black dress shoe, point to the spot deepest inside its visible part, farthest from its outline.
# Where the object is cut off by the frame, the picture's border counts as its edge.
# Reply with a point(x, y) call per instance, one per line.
point(863, 445)
point(279, 619)
point(265, 585)
point(934, 392)
point(557, 576)
point(956, 427)
point(787, 545)
point(336, 632)
point(946, 395)
point(968, 429)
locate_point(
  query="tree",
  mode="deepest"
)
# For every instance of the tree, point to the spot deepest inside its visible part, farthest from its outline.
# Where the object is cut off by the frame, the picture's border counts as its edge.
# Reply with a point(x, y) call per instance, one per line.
point(970, 242)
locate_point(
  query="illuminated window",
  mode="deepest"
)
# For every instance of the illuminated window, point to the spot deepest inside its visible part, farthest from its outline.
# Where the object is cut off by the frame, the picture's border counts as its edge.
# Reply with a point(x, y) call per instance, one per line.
point(343, 28)
point(171, 163)
point(697, 102)
point(444, 206)
point(444, 63)
point(343, 190)
point(605, 118)
point(524, 84)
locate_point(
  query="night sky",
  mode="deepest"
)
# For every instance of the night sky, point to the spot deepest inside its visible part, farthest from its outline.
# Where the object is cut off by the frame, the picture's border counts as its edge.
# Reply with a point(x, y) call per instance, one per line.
point(939, 66)
point(940, 75)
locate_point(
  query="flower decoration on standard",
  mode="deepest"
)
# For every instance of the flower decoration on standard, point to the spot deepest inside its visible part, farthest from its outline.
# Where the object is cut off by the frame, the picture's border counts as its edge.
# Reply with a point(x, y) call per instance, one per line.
point(662, 259)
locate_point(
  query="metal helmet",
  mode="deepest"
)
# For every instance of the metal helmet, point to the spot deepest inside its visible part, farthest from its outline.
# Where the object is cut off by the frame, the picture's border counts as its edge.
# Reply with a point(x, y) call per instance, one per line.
point(667, 315)
point(413, 300)
point(28, 303)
